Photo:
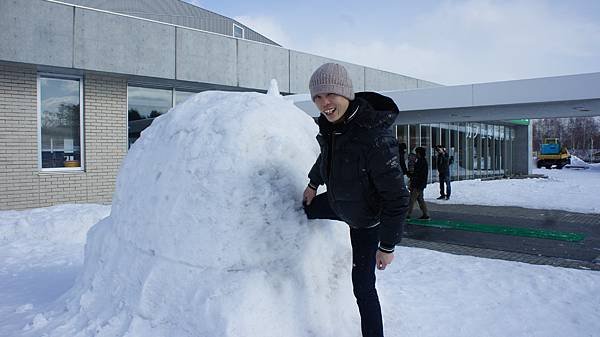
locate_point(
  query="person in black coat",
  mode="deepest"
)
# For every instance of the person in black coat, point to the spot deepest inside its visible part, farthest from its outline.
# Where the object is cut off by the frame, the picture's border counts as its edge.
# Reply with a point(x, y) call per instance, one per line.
point(365, 186)
point(443, 162)
point(402, 158)
point(418, 183)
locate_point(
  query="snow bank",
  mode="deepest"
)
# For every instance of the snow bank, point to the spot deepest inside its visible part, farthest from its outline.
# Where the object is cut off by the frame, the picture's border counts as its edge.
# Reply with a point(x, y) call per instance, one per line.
point(573, 190)
point(63, 224)
point(576, 161)
point(28, 237)
point(207, 236)
point(46, 236)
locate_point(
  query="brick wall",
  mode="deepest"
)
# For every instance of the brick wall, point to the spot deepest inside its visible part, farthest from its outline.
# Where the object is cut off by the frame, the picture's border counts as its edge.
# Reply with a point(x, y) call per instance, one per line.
point(105, 134)
point(22, 185)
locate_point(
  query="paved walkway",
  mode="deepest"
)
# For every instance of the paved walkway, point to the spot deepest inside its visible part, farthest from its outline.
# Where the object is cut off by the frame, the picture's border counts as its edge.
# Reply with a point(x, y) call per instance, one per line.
point(584, 254)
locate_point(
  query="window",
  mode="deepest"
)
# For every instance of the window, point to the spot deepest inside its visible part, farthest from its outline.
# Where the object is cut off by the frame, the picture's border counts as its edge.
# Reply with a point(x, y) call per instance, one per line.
point(60, 120)
point(143, 105)
point(238, 31)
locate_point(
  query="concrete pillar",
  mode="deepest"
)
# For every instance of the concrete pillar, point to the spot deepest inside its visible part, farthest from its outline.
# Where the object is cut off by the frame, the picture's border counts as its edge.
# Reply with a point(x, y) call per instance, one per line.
point(522, 151)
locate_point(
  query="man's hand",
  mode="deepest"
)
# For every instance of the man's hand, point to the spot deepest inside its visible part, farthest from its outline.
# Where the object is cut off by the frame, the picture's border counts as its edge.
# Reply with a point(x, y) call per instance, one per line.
point(383, 259)
point(309, 195)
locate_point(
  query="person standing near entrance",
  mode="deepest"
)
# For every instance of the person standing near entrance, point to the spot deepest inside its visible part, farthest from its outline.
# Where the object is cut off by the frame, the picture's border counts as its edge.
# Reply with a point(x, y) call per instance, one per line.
point(418, 183)
point(402, 158)
point(443, 167)
point(365, 186)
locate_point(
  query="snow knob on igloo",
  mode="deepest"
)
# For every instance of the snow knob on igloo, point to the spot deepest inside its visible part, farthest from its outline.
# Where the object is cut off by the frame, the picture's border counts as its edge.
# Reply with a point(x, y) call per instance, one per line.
point(207, 236)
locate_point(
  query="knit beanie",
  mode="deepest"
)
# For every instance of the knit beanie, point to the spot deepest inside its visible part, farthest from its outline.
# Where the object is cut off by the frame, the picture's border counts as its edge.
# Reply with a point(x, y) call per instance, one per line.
point(331, 78)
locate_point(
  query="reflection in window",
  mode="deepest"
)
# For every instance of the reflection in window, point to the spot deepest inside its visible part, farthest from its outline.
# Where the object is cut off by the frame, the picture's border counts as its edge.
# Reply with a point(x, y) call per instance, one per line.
point(143, 105)
point(60, 122)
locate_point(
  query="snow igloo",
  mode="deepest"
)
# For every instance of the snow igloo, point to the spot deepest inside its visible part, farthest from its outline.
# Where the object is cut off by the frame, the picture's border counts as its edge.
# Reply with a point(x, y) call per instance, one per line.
point(207, 236)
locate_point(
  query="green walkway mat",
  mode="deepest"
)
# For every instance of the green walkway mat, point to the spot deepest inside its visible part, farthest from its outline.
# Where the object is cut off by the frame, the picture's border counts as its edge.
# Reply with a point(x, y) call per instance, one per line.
point(499, 229)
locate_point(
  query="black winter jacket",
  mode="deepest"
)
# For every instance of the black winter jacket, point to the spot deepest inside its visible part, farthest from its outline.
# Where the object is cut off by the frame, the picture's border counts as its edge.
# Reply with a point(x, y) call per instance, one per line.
point(359, 164)
point(443, 164)
point(418, 179)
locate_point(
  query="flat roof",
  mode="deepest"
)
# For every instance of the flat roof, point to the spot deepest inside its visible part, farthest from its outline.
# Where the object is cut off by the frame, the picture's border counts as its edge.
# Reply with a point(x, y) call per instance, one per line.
point(559, 96)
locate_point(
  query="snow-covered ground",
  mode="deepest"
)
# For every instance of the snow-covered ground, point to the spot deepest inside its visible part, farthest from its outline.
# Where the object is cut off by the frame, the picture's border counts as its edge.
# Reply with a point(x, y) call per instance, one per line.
point(208, 240)
point(41, 254)
point(424, 293)
point(574, 190)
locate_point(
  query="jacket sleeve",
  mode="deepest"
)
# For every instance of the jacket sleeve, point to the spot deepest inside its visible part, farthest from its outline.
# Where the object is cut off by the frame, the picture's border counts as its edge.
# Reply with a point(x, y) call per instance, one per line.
point(385, 173)
point(315, 174)
point(402, 159)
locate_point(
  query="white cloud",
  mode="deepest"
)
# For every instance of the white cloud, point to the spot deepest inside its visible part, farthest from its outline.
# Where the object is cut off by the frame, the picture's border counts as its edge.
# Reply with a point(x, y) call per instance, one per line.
point(478, 41)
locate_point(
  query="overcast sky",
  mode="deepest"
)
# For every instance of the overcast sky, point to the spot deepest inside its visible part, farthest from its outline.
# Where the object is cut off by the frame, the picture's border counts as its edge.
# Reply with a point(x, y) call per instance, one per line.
point(449, 42)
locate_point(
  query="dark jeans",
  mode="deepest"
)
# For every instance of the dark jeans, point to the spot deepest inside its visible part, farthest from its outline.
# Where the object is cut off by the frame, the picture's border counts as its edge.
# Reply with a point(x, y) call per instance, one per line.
point(445, 180)
point(365, 243)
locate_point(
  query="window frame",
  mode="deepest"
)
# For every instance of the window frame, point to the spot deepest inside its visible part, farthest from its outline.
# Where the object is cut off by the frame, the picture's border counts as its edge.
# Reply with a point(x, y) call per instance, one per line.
point(243, 31)
point(81, 167)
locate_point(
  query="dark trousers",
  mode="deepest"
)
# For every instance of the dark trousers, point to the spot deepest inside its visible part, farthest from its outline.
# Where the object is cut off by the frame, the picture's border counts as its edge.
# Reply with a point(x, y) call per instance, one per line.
point(365, 243)
point(445, 180)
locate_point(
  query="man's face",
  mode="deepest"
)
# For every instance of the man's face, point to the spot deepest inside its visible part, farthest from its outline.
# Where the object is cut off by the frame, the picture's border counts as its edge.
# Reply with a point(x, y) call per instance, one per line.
point(332, 106)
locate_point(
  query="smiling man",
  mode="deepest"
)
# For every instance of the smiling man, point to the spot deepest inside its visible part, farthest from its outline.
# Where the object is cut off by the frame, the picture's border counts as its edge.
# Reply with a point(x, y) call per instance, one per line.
point(365, 187)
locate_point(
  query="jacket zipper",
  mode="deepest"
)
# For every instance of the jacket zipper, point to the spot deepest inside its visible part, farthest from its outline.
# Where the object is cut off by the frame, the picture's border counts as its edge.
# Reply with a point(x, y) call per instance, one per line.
point(331, 151)
point(330, 188)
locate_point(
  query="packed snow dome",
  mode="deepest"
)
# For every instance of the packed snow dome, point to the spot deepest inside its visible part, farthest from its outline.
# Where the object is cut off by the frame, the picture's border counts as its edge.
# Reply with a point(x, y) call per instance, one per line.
point(207, 236)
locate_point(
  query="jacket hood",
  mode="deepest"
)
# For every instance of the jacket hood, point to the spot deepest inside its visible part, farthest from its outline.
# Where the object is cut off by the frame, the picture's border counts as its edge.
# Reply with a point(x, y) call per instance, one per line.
point(374, 111)
point(383, 110)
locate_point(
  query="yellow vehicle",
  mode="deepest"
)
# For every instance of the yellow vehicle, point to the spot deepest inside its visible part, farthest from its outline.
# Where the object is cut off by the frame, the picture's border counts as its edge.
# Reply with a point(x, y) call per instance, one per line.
point(553, 154)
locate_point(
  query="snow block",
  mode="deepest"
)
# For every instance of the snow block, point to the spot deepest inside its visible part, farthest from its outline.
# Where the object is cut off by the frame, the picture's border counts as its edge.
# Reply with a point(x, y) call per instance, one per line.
point(207, 236)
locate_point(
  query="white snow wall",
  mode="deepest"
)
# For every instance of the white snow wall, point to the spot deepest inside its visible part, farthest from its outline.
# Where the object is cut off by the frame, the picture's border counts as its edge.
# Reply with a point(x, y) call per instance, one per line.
point(207, 236)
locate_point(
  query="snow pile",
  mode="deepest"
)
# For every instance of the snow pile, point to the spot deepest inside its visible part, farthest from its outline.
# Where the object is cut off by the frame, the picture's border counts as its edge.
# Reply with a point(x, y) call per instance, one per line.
point(66, 223)
point(29, 236)
point(207, 236)
point(576, 161)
